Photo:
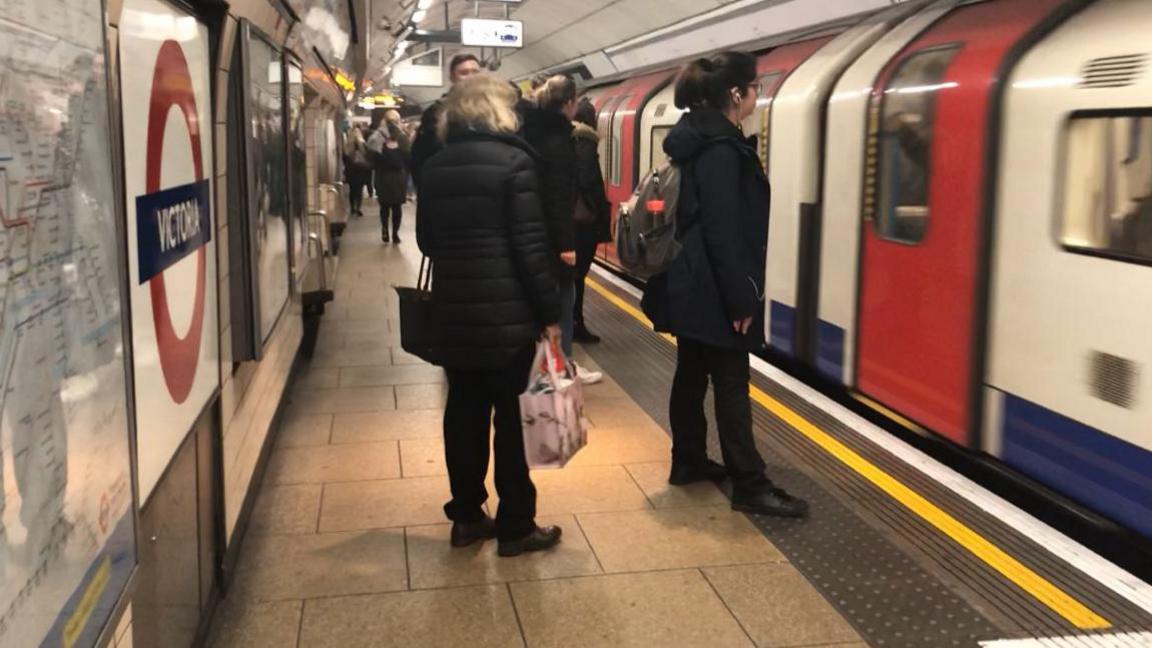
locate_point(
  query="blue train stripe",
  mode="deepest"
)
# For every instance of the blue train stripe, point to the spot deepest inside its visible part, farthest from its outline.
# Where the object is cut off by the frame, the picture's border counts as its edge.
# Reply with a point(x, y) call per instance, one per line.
point(830, 351)
point(783, 327)
point(1108, 474)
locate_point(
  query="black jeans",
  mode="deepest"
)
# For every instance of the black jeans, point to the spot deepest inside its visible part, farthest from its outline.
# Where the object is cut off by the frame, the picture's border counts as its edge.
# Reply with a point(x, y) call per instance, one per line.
point(585, 252)
point(357, 181)
point(472, 397)
point(696, 362)
point(397, 212)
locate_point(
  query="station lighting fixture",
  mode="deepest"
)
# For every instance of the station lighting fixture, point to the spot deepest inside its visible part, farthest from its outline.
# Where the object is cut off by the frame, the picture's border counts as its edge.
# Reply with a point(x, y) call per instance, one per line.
point(419, 16)
point(423, 5)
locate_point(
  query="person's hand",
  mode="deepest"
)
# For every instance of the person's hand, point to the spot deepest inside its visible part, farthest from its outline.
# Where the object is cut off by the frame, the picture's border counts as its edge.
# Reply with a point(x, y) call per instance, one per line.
point(568, 257)
point(742, 326)
point(552, 333)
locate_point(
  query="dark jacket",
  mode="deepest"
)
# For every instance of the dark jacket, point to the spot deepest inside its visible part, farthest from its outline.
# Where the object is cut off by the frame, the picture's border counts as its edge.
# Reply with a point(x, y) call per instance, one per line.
point(722, 220)
point(426, 144)
point(550, 134)
point(478, 219)
point(590, 184)
point(391, 168)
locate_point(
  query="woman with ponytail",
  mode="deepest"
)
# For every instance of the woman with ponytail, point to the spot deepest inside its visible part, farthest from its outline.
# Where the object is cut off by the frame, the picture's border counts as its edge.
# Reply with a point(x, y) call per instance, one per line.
point(712, 297)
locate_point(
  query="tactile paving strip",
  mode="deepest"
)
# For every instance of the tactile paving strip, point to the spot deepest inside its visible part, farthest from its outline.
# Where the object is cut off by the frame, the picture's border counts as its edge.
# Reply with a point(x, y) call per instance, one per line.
point(893, 576)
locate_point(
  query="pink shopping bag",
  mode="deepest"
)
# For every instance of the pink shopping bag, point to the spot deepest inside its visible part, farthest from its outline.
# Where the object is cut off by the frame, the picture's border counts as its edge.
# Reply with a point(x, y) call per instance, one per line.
point(552, 411)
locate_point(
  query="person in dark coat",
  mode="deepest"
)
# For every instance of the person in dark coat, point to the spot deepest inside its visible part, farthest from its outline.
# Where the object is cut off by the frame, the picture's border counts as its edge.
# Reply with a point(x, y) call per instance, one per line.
point(711, 297)
point(592, 220)
point(357, 168)
point(548, 128)
point(391, 149)
point(427, 141)
point(494, 293)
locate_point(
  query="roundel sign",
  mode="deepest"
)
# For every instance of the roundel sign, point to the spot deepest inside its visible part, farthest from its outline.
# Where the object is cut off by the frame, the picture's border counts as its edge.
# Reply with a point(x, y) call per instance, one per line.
point(173, 223)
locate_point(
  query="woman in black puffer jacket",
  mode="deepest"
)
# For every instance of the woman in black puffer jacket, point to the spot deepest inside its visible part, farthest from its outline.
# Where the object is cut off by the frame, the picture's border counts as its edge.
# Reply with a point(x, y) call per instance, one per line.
point(494, 292)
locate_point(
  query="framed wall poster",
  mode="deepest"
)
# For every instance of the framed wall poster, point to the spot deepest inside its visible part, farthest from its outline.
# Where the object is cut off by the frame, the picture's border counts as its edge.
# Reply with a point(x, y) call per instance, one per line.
point(298, 164)
point(67, 519)
point(268, 199)
point(168, 169)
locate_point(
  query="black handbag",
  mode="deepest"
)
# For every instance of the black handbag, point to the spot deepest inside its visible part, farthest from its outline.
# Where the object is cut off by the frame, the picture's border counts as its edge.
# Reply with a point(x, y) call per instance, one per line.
point(417, 316)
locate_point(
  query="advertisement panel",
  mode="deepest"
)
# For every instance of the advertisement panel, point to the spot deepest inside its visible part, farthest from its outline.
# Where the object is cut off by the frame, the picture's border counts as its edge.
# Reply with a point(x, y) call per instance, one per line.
point(267, 180)
point(168, 139)
point(67, 525)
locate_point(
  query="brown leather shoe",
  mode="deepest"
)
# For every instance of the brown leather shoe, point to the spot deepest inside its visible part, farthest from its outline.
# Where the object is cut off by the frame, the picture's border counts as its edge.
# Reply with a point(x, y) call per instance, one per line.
point(469, 533)
point(540, 539)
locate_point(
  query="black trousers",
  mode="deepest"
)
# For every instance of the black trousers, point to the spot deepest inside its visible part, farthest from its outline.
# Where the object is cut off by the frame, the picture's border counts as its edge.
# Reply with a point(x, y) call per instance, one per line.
point(472, 398)
point(357, 181)
point(696, 362)
point(396, 212)
point(585, 252)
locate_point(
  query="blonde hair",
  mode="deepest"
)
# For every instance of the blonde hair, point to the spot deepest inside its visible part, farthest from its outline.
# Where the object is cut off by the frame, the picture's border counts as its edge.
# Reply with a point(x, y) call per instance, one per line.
point(481, 102)
point(555, 91)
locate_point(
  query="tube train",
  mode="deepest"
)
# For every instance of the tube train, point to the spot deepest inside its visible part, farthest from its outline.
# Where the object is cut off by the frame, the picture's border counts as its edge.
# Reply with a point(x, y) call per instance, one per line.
point(961, 224)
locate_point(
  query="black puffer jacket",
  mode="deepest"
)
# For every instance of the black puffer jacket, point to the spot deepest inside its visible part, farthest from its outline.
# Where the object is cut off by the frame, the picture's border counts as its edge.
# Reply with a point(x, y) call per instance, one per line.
point(550, 133)
point(478, 219)
point(426, 143)
point(722, 220)
point(590, 183)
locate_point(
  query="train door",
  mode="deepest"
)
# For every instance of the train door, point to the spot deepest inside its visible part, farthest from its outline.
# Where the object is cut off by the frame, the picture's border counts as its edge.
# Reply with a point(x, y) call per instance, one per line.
point(923, 208)
point(843, 158)
point(796, 127)
point(656, 121)
point(620, 167)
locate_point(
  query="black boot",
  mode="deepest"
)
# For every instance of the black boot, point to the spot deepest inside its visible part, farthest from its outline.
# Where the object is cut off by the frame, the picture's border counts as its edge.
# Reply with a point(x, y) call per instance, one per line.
point(581, 334)
point(396, 237)
point(384, 237)
point(540, 539)
point(773, 501)
point(683, 474)
point(467, 533)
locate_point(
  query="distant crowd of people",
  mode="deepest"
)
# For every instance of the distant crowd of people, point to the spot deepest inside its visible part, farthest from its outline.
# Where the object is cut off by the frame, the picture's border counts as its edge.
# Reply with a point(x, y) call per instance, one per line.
point(511, 207)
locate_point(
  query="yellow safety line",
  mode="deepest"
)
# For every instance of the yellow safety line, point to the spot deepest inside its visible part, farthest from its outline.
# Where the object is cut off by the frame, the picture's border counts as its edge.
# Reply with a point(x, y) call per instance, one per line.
point(1025, 578)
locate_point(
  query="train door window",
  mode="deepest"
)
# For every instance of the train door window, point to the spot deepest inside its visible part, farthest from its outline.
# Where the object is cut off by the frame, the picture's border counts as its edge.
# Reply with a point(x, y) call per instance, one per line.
point(1107, 202)
point(759, 122)
point(604, 128)
point(901, 130)
point(657, 155)
point(615, 152)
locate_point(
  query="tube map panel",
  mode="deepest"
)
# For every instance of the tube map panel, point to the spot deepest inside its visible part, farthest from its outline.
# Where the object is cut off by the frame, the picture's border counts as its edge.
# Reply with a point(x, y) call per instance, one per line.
point(67, 536)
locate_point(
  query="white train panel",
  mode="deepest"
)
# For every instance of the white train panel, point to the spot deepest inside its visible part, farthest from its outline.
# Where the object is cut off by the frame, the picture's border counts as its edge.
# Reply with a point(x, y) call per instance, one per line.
point(1071, 349)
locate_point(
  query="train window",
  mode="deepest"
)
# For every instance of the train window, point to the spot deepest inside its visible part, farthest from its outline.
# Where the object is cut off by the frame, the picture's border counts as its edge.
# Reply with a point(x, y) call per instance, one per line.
point(604, 128)
point(759, 122)
point(615, 157)
point(1107, 206)
point(901, 129)
point(657, 155)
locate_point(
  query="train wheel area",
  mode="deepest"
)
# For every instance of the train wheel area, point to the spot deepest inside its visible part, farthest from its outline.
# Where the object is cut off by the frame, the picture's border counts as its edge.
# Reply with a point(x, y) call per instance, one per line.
point(348, 544)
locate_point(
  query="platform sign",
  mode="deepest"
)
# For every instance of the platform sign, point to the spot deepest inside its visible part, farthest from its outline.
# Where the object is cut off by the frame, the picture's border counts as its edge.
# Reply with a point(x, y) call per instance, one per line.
point(165, 94)
point(481, 32)
point(67, 535)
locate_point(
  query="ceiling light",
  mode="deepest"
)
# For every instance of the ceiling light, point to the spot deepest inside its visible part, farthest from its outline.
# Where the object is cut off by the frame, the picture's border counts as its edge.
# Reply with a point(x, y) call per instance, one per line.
point(419, 16)
point(401, 47)
point(424, 4)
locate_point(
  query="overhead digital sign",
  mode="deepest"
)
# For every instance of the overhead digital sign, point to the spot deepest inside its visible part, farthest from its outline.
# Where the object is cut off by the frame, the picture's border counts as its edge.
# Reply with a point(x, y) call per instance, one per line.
point(482, 32)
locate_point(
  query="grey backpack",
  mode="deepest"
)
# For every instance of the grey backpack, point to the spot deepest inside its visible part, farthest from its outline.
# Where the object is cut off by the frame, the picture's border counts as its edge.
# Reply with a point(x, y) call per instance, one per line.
point(646, 233)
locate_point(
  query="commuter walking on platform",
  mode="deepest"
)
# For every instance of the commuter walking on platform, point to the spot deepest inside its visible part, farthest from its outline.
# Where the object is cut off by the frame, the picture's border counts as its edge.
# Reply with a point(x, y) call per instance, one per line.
point(548, 128)
point(712, 297)
point(494, 294)
point(427, 142)
point(358, 168)
point(592, 216)
point(391, 149)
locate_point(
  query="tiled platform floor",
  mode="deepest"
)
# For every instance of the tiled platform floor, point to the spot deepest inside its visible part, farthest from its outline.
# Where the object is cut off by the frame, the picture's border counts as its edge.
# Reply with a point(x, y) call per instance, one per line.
point(348, 544)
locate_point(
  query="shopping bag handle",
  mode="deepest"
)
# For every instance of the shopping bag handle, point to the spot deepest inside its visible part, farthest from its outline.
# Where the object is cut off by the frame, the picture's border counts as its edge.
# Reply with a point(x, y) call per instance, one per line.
point(547, 353)
point(424, 276)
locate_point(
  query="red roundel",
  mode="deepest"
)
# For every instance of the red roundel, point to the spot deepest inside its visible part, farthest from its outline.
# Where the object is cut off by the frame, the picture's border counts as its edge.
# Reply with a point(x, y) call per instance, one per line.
point(172, 86)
